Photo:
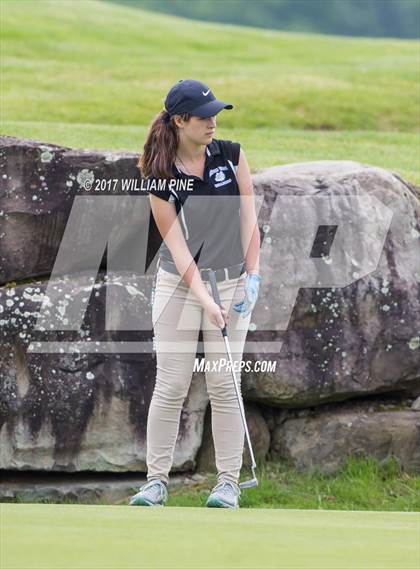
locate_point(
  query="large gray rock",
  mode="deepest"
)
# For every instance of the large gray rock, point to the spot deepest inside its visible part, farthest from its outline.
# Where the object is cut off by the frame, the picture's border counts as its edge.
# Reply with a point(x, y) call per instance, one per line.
point(91, 489)
point(325, 436)
point(38, 186)
point(350, 339)
point(81, 411)
point(87, 411)
point(340, 341)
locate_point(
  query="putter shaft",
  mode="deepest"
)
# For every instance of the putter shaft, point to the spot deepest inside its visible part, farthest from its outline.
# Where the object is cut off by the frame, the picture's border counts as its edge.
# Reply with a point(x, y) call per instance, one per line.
point(253, 481)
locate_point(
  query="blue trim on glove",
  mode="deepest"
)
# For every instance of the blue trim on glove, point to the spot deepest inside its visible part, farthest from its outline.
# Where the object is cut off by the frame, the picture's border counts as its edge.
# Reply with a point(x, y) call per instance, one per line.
point(252, 286)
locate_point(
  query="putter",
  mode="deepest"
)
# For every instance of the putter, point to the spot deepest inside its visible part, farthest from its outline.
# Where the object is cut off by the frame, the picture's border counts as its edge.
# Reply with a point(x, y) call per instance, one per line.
point(253, 481)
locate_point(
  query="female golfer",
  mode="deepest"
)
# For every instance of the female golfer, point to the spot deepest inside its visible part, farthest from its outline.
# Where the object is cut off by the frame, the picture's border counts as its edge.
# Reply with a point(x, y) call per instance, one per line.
point(195, 184)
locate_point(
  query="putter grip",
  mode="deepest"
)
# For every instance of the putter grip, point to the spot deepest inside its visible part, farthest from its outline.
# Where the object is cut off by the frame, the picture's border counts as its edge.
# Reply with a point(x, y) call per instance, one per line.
point(215, 293)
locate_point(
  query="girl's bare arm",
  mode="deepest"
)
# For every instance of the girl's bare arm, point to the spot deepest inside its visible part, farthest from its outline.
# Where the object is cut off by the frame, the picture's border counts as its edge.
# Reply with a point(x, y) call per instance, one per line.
point(250, 234)
point(167, 222)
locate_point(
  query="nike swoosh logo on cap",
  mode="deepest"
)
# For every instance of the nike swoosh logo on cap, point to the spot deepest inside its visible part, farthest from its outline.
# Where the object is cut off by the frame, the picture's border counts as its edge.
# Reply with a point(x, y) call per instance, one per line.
point(206, 93)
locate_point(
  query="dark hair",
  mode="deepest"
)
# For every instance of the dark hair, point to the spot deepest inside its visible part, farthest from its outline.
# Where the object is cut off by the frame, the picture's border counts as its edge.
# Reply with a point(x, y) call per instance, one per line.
point(161, 146)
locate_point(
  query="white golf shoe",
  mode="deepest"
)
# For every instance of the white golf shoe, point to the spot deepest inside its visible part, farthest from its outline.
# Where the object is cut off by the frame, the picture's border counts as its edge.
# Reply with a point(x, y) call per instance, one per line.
point(153, 493)
point(225, 494)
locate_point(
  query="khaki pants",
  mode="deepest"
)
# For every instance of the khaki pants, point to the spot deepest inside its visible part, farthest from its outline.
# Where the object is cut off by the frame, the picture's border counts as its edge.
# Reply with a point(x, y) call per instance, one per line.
point(177, 318)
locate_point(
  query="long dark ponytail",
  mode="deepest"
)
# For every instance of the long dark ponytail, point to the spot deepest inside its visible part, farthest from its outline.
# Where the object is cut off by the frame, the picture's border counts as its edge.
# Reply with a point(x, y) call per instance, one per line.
point(160, 148)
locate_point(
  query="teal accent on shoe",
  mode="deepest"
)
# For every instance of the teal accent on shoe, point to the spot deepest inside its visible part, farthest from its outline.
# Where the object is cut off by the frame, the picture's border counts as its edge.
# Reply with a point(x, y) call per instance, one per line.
point(153, 493)
point(224, 495)
point(217, 503)
point(138, 500)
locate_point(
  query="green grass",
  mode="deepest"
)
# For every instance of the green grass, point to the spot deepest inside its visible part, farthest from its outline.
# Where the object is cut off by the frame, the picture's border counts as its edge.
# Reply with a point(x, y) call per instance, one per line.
point(361, 484)
point(396, 152)
point(70, 536)
point(92, 75)
point(291, 520)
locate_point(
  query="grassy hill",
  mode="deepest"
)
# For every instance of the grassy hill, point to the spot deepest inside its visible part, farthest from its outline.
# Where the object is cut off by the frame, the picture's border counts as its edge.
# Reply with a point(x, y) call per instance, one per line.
point(371, 18)
point(93, 74)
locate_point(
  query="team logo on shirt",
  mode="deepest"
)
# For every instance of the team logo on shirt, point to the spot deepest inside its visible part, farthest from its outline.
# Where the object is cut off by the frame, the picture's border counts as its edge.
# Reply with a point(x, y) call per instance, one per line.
point(219, 176)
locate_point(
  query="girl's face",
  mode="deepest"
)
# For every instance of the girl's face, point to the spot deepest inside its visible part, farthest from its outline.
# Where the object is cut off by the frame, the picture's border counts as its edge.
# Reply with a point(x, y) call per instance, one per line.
point(197, 130)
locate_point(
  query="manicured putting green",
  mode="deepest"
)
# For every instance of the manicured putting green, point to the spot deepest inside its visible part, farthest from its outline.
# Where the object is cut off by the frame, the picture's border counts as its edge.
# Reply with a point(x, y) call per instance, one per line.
point(80, 536)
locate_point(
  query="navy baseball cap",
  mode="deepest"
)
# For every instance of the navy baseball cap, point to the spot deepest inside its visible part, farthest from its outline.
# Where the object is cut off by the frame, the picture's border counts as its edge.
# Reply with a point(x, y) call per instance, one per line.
point(193, 97)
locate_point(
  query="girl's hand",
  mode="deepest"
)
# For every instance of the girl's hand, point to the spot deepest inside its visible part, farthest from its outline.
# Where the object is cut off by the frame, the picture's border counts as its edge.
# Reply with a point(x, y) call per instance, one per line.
point(252, 287)
point(218, 316)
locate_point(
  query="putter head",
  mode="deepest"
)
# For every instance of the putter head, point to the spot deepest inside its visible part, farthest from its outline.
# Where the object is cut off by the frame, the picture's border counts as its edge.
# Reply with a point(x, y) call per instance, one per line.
point(249, 483)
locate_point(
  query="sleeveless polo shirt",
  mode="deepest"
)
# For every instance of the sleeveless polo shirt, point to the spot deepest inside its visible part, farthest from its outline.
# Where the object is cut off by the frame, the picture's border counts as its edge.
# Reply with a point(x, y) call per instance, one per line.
point(209, 215)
